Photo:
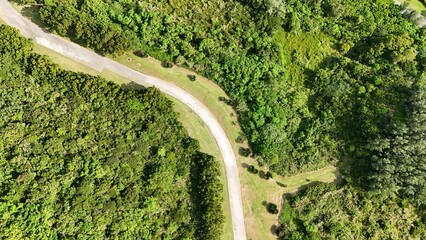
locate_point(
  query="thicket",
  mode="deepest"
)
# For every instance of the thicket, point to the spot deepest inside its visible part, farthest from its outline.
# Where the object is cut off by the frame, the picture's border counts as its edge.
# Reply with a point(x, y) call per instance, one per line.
point(327, 211)
point(83, 158)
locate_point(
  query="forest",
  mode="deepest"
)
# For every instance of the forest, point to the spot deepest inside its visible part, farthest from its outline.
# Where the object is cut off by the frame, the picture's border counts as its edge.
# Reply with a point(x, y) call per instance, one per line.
point(83, 158)
point(314, 82)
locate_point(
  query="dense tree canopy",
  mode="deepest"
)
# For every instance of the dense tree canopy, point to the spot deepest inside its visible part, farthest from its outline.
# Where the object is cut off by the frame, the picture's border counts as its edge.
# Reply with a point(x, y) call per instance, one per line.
point(398, 162)
point(83, 158)
point(325, 211)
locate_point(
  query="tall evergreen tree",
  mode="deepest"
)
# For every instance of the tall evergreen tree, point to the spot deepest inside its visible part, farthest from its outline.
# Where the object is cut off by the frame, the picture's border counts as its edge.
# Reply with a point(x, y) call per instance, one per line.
point(398, 163)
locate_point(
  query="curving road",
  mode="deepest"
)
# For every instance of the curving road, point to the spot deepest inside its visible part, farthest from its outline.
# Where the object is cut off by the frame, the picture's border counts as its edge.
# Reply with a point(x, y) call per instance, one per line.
point(13, 18)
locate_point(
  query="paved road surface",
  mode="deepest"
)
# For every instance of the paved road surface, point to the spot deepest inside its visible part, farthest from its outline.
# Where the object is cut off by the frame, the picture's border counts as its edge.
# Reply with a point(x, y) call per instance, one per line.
point(99, 63)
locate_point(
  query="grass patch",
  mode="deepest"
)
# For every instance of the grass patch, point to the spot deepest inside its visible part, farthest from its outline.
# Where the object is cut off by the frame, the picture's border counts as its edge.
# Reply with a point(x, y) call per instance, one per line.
point(295, 183)
point(65, 62)
point(415, 5)
point(302, 50)
point(30, 11)
point(257, 192)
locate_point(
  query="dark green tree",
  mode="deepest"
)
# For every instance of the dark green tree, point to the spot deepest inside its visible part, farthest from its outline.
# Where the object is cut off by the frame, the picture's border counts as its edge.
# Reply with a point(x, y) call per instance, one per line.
point(399, 159)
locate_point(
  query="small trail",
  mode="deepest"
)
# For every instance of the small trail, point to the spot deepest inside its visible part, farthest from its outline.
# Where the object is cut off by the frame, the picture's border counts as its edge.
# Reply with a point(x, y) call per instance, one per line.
point(84, 56)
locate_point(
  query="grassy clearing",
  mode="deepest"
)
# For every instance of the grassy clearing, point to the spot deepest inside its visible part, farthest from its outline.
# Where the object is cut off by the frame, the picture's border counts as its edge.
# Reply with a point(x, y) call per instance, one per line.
point(257, 192)
point(295, 183)
point(415, 5)
point(311, 51)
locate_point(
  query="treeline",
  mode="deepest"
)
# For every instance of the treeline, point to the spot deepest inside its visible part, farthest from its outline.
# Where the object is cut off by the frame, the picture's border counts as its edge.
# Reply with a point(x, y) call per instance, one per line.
point(327, 211)
point(83, 158)
point(397, 159)
point(367, 96)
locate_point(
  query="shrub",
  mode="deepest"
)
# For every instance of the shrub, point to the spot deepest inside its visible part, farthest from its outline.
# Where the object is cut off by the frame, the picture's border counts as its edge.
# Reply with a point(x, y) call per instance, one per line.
point(272, 208)
point(252, 169)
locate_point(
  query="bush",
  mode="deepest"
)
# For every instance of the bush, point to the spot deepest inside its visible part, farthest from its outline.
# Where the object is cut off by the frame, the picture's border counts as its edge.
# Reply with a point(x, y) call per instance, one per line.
point(252, 169)
point(192, 78)
point(268, 175)
point(245, 152)
point(141, 53)
point(167, 64)
point(272, 208)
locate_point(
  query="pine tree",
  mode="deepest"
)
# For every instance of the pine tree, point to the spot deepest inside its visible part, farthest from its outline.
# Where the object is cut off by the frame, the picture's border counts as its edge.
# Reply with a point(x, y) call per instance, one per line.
point(398, 162)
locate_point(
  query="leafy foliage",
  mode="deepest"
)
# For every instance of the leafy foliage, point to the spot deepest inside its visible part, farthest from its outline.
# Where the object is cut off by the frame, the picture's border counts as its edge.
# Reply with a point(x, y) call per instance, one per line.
point(207, 197)
point(325, 211)
point(398, 162)
point(83, 158)
point(312, 81)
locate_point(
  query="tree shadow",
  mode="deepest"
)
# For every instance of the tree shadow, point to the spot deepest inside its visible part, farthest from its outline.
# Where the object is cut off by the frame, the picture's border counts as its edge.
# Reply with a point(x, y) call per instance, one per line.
point(281, 184)
point(262, 174)
point(227, 101)
point(310, 184)
point(340, 179)
point(32, 13)
point(133, 86)
point(196, 197)
point(250, 168)
point(275, 230)
point(288, 195)
point(191, 77)
point(140, 53)
point(270, 207)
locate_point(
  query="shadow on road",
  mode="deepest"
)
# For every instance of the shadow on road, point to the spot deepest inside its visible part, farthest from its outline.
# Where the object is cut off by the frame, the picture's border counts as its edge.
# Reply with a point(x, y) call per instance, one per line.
point(32, 13)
